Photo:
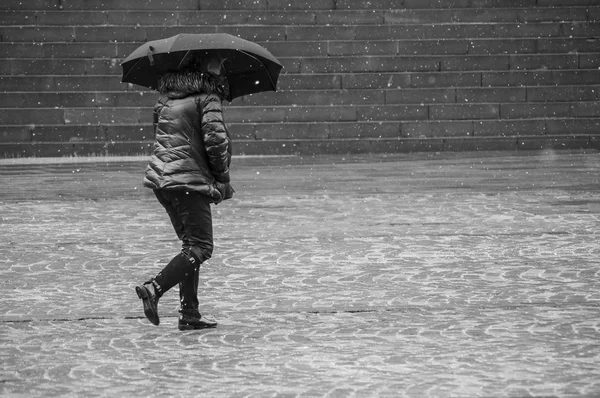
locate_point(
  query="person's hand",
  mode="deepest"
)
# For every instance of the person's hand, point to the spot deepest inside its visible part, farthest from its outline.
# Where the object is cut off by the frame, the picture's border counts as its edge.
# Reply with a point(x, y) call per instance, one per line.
point(225, 189)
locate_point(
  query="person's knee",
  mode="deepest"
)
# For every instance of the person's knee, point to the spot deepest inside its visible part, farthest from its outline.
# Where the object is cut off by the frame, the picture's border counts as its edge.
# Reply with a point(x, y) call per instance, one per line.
point(200, 254)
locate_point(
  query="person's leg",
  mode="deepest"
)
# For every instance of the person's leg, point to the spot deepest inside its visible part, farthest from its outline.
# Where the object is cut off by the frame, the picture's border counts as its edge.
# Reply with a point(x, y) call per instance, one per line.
point(180, 267)
point(196, 216)
point(197, 219)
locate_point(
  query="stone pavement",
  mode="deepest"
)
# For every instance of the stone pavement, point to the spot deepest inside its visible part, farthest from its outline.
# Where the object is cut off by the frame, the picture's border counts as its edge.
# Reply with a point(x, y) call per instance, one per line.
point(427, 275)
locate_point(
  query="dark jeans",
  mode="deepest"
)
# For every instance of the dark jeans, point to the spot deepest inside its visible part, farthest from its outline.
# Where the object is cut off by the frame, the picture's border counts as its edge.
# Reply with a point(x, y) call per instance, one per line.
point(191, 218)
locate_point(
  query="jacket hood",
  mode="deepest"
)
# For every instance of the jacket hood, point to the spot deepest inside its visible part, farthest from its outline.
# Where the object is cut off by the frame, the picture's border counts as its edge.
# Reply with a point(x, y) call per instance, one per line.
point(183, 83)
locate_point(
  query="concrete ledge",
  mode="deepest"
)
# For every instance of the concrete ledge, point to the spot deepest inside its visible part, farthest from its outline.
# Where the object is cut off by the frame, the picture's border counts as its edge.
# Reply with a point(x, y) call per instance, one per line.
point(313, 146)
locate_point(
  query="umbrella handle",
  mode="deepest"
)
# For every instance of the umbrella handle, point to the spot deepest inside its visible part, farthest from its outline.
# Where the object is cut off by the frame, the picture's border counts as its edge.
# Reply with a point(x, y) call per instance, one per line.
point(151, 55)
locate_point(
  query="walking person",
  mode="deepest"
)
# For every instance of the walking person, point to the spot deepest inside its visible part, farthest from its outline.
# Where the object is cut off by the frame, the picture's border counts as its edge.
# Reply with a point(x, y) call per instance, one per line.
point(188, 171)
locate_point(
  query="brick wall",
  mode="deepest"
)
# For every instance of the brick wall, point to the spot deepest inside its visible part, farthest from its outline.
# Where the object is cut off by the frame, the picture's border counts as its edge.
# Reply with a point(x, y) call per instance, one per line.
point(359, 76)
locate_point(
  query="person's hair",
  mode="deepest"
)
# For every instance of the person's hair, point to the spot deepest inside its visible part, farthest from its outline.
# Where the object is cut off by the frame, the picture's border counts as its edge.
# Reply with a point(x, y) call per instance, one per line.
point(191, 81)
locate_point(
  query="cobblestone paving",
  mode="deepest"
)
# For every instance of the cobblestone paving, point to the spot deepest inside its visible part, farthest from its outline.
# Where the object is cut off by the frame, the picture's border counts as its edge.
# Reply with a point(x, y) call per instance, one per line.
point(452, 275)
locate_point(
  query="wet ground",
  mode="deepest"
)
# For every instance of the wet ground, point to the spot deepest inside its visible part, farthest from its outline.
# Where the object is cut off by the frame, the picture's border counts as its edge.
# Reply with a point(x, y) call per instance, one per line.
point(429, 275)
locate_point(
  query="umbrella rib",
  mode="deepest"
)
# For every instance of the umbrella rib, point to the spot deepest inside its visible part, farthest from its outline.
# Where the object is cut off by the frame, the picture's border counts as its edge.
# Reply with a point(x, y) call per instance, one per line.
point(183, 59)
point(263, 65)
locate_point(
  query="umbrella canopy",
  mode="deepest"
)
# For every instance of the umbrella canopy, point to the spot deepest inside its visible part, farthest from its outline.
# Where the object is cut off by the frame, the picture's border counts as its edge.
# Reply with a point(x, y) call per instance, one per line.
point(249, 67)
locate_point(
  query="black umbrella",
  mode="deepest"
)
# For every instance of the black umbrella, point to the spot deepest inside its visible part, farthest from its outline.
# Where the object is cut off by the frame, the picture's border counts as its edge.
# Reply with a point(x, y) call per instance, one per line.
point(250, 68)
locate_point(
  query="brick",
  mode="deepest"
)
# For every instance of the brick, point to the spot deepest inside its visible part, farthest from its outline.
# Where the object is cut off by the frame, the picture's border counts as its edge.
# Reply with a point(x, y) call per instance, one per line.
point(565, 3)
point(369, 80)
point(293, 65)
point(109, 33)
point(133, 132)
point(14, 17)
point(104, 115)
point(253, 147)
point(585, 109)
point(437, 129)
point(479, 144)
point(432, 32)
point(406, 16)
point(544, 14)
point(322, 81)
point(428, 4)
point(503, 128)
point(318, 97)
point(47, 100)
point(589, 61)
point(128, 148)
point(296, 49)
point(502, 3)
point(15, 133)
point(161, 32)
point(37, 34)
point(507, 46)
point(256, 33)
point(445, 79)
point(568, 45)
point(290, 97)
point(392, 112)
point(26, 83)
point(269, 131)
point(337, 48)
point(543, 61)
point(75, 133)
point(545, 143)
point(378, 129)
point(420, 96)
point(307, 33)
point(321, 114)
point(517, 78)
point(21, 50)
point(79, 50)
point(593, 13)
point(301, 4)
point(87, 83)
point(366, 4)
point(374, 64)
point(129, 5)
point(260, 114)
point(522, 30)
point(101, 67)
point(575, 77)
point(124, 49)
point(470, 15)
point(487, 95)
point(74, 18)
point(343, 17)
point(432, 47)
point(153, 18)
point(29, 5)
point(46, 66)
point(572, 126)
point(31, 117)
point(464, 111)
point(534, 111)
point(258, 17)
point(562, 94)
point(475, 63)
point(228, 5)
point(347, 97)
point(5, 67)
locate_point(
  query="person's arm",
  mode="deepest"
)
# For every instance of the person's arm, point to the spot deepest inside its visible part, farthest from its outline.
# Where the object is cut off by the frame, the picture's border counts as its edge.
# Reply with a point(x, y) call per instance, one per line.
point(216, 141)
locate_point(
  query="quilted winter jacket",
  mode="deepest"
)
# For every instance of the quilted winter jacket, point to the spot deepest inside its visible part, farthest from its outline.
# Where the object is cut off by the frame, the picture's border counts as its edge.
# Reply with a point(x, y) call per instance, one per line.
point(192, 147)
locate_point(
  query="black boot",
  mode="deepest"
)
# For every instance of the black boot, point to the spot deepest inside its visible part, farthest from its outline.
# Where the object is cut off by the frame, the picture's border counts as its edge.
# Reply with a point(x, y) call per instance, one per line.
point(188, 291)
point(171, 275)
point(191, 319)
point(149, 292)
